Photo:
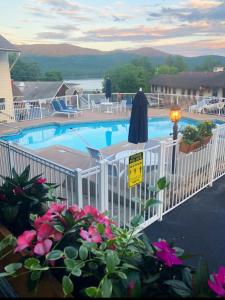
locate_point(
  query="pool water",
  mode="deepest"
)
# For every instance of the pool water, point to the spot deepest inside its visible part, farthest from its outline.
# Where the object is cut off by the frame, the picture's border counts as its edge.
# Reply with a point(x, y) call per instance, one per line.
point(95, 134)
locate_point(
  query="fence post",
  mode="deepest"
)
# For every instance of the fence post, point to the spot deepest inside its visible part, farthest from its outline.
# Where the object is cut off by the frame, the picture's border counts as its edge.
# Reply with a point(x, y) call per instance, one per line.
point(215, 141)
point(158, 100)
point(77, 97)
point(89, 102)
point(79, 187)
point(41, 110)
point(9, 159)
point(104, 201)
point(161, 174)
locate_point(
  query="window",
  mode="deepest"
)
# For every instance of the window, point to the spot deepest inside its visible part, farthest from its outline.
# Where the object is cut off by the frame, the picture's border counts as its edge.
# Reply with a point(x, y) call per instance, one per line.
point(215, 92)
point(161, 89)
point(2, 103)
point(189, 92)
point(183, 91)
point(194, 92)
point(174, 90)
point(156, 88)
point(169, 90)
point(166, 90)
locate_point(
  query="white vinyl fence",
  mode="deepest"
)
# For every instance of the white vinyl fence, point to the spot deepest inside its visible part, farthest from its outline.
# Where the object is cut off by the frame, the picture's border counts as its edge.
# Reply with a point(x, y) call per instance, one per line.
point(105, 185)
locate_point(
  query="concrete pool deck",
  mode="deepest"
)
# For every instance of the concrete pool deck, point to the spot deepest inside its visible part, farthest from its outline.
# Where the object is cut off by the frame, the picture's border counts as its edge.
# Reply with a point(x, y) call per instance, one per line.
point(76, 159)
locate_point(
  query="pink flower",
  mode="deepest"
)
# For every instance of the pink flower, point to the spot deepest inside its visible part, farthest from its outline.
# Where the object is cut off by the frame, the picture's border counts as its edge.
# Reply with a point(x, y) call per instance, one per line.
point(25, 240)
point(2, 197)
point(43, 247)
point(91, 235)
point(218, 282)
point(76, 212)
point(40, 220)
point(108, 233)
point(166, 254)
point(90, 210)
point(44, 231)
point(18, 190)
point(41, 180)
point(56, 208)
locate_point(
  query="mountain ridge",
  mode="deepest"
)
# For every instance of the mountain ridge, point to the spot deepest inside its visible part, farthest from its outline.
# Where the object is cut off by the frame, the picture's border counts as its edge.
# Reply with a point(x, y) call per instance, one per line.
point(58, 50)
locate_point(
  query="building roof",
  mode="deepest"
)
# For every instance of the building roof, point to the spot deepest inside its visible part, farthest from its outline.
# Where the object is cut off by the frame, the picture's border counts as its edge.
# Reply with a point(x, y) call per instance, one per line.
point(5, 45)
point(191, 80)
point(16, 91)
point(34, 90)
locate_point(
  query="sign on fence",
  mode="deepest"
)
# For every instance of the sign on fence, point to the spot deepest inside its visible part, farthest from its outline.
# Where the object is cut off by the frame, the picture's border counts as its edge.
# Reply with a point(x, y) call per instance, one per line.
point(135, 169)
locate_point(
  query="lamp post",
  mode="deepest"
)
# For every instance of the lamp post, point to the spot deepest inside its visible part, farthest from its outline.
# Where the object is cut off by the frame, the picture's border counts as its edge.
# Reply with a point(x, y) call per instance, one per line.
point(175, 116)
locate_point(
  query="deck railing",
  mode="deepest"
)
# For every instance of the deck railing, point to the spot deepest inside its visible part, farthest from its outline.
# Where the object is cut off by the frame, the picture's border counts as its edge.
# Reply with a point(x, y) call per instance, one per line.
point(105, 184)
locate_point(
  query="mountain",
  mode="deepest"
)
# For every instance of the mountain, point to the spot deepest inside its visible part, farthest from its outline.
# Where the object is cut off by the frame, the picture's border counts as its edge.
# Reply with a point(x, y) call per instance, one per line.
point(57, 50)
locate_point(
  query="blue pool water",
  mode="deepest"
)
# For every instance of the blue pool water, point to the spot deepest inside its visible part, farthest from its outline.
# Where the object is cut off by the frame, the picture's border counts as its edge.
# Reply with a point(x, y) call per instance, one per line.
point(95, 134)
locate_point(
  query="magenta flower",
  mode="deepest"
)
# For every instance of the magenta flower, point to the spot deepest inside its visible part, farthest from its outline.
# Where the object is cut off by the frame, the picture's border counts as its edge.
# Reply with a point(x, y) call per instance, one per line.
point(76, 212)
point(25, 240)
point(218, 282)
point(43, 247)
point(108, 233)
point(166, 254)
point(41, 180)
point(90, 210)
point(91, 235)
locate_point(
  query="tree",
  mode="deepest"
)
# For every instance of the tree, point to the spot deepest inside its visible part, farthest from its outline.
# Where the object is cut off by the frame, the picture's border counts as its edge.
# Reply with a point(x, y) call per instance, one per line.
point(52, 75)
point(166, 69)
point(176, 61)
point(23, 71)
point(208, 64)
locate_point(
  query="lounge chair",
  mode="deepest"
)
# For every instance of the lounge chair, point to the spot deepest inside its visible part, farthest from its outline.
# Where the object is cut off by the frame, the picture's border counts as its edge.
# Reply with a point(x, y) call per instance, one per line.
point(58, 109)
point(68, 108)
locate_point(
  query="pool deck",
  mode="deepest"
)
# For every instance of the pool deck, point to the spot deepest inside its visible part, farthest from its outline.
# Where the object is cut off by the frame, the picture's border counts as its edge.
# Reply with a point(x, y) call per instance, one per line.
point(76, 159)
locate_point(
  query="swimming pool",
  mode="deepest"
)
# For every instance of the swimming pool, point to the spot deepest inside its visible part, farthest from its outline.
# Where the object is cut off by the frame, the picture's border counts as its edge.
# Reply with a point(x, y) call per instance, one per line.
point(94, 134)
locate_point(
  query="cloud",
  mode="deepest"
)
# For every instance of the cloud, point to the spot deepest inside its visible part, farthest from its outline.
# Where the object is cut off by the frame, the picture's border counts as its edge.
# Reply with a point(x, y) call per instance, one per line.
point(48, 35)
point(203, 4)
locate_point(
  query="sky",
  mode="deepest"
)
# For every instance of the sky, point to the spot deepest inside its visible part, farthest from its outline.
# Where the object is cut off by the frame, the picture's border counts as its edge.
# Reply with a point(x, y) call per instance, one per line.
point(185, 27)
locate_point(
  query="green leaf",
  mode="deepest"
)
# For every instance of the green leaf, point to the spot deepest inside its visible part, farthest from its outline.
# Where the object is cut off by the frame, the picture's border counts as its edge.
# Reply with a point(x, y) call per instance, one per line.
point(106, 288)
point(67, 285)
point(70, 264)
point(162, 183)
point(152, 188)
point(201, 277)
point(35, 275)
point(71, 252)
point(76, 272)
point(152, 278)
point(103, 246)
point(151, 202)
point(112, 260)
point(179, 287)
point(179, 251)
point(4, 274)
point(187, 277)
point(54, 255)
point(91, 291)
point(83, 252)
point(121, 275)
point(101, 228)
point(93, 266)
point(13, 267)
point(136, 199)
point(129, 266)
point(31, 262)
point(59, 228)
point(9, 240)
point(137, 220)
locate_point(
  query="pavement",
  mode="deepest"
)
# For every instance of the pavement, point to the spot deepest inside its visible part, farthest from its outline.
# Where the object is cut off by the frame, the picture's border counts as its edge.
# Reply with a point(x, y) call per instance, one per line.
point(197, 226)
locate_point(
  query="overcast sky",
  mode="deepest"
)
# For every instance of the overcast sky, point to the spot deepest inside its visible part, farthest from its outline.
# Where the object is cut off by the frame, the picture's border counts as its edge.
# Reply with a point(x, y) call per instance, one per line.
point(186, 27)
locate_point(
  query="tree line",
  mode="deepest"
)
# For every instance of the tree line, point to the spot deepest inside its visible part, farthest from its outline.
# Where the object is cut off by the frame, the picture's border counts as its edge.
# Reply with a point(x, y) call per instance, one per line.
point(30, 71)
point(130, 77)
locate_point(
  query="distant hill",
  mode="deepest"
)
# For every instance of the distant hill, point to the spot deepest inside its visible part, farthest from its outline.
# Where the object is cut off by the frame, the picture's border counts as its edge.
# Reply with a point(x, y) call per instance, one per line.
point(71, 50)
point(81, 63)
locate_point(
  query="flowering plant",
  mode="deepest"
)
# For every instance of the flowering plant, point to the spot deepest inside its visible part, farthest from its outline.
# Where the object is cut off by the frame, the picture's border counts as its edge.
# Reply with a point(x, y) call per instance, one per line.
point(92, 257)
point(21, 196)
point(205, 128)
point(190, 134)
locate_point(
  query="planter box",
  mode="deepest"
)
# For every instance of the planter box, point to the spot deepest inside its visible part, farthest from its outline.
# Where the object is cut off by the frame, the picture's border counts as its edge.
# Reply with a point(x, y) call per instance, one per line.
point(48, 285)
point(187, 148)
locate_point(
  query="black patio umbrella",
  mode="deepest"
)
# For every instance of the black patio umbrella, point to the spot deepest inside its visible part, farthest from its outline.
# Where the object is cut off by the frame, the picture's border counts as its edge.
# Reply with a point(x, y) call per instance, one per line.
point(138, 131)
point(108, 88)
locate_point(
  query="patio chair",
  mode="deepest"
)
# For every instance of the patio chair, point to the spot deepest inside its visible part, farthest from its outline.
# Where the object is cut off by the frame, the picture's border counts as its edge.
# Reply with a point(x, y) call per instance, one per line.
point(95, 106)
point(58, 109)
point(68, 108)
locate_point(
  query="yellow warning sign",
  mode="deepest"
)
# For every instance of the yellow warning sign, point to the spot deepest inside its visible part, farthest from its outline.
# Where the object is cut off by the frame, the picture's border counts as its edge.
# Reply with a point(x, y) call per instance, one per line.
point(135, 169)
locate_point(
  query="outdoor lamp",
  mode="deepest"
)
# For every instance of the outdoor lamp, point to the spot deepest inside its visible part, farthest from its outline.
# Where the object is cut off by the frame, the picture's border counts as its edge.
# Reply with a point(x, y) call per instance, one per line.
point(175, 116)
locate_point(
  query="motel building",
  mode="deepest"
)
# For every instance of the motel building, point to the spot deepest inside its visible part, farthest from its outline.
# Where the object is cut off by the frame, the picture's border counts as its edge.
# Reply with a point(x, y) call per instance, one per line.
point(204, 84)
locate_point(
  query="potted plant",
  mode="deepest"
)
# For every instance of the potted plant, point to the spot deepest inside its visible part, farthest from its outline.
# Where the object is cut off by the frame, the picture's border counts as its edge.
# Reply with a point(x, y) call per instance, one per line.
point(190, 139)
point(21, 196)
point(205, 131)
